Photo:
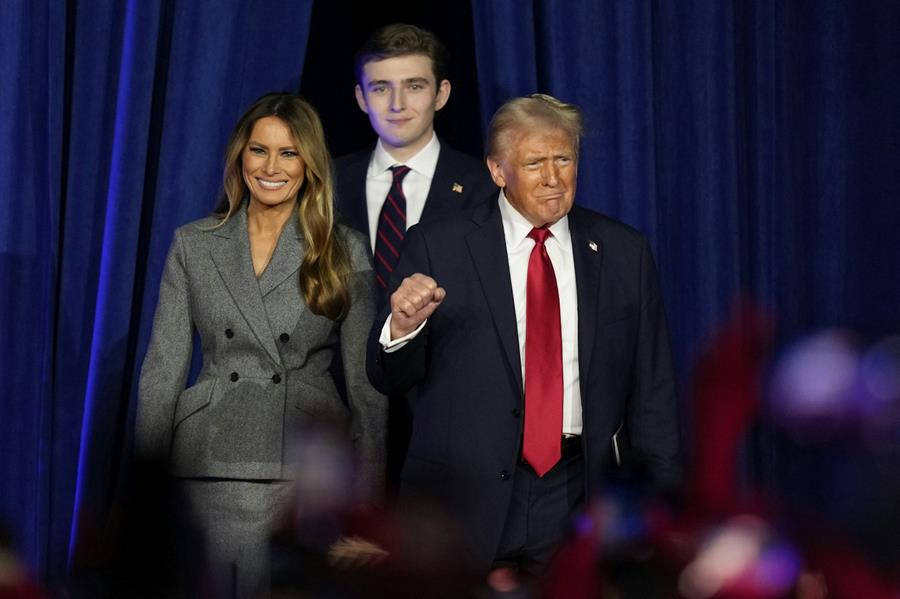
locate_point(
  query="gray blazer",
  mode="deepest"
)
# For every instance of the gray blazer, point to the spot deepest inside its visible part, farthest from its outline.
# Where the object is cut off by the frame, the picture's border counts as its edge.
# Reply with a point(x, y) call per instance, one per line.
point(265, 358)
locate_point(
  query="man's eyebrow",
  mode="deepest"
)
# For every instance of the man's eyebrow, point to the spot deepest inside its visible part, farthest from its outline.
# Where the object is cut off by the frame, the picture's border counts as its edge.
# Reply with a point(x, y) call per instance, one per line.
point(379, 82)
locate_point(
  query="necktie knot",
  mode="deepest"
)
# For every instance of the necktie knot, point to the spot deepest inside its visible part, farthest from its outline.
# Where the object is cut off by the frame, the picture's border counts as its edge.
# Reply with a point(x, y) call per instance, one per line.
point(540, 235)
point(399, 171)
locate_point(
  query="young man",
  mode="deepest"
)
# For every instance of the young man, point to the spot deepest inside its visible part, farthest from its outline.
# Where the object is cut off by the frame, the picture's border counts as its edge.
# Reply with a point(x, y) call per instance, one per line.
point(409, 175)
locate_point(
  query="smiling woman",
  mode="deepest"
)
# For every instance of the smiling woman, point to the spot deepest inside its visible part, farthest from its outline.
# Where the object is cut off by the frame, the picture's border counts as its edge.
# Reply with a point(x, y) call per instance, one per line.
point(280, 139)
point(272, 166)
point(273, 172)
point(273, 286)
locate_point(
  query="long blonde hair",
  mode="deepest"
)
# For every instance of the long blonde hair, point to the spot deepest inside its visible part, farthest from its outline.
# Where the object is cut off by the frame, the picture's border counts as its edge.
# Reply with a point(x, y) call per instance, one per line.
point(326, 264)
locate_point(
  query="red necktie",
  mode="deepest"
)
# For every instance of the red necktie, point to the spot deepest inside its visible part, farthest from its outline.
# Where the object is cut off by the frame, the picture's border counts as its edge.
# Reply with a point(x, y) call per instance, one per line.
point(391, 228)
point(543, 361)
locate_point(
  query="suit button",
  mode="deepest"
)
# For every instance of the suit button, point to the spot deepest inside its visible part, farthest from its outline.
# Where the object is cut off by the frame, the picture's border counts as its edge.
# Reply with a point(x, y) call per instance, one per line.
point(504, 475)
point(284, 337)
point(229, 333)
point(234, 377)
point(276, 378)
point(516, 412)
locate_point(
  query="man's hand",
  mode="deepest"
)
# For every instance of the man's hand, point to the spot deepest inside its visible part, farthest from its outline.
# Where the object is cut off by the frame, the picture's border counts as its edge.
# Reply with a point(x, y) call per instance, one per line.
point(415, 300)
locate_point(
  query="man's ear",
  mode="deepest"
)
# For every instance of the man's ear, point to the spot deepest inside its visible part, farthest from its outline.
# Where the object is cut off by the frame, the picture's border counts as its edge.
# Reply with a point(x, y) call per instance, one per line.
point(496, 172)
point(443, 94)
point(361, 99)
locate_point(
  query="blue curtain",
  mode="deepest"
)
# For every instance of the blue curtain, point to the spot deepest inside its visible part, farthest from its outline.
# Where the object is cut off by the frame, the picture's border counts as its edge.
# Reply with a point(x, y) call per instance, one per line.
point(755, 143)
point(115, 116)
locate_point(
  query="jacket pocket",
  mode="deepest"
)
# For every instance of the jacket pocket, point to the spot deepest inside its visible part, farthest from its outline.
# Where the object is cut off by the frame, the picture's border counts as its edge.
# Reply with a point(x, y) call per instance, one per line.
point(193, 399)
point(318, 397)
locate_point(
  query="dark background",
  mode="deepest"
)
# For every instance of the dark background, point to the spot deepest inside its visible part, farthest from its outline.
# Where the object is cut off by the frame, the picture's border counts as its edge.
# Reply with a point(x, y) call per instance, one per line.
point(755, 143)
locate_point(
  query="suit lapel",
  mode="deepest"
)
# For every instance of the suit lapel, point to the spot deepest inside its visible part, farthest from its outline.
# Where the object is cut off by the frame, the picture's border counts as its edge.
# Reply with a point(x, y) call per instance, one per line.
point(488, 253)
point(587, 254)
point(285, 261)
point(232, 259)
point(441, 194)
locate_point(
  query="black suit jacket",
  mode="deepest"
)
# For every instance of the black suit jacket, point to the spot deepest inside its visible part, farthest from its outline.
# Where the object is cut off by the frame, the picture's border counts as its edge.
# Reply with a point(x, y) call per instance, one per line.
point(467, 421)
point(460, 182)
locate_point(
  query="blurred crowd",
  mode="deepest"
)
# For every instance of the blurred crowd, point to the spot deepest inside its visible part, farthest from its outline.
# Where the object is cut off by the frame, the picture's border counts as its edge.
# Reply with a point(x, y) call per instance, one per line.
point(794, 483)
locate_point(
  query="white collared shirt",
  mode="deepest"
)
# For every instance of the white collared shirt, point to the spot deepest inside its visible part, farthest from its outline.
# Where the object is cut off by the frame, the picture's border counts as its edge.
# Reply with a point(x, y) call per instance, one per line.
point(518, 251)
point(559, 247)
point(416, 183)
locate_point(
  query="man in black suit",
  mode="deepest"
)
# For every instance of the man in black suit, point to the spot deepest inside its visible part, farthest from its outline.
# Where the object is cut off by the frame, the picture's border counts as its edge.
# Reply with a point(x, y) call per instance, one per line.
point(401, 74)
point(534, 330)
point(401, 84)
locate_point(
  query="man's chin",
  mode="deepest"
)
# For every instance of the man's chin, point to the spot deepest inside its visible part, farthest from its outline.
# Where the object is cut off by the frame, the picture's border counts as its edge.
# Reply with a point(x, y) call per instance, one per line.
point(554, 210)
point(399, 142)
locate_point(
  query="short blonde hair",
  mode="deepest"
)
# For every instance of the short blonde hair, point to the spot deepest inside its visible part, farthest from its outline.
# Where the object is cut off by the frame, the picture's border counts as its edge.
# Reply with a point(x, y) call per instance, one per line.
point(535, 110)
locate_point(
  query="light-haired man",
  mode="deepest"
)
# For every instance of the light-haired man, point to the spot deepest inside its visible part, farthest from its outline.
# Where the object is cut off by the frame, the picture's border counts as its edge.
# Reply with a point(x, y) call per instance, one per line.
point(534, 330)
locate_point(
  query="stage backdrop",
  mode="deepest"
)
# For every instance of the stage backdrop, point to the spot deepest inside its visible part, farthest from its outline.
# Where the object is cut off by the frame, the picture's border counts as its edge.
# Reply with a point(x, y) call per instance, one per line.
point(114, 118)
point(756, 143)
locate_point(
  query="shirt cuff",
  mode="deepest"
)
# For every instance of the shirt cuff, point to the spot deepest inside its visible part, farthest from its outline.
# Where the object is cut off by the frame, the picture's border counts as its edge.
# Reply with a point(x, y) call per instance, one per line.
point(389, 345)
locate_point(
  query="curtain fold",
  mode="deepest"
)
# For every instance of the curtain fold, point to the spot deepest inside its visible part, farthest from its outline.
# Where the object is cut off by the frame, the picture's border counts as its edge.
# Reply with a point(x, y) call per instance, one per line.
point(32, 107)
point(124, 109)
point(733, 135)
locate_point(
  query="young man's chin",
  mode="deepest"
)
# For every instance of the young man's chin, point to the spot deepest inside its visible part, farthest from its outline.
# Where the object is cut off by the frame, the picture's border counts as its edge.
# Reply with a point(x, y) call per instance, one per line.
point(397, 142)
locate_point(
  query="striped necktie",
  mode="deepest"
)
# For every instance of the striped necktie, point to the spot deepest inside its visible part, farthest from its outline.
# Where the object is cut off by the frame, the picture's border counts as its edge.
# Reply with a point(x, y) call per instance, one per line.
point(391, 228)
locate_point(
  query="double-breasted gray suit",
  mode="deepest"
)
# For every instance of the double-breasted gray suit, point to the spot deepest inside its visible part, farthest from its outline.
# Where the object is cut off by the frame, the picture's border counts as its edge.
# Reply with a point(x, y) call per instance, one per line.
point(265, 357)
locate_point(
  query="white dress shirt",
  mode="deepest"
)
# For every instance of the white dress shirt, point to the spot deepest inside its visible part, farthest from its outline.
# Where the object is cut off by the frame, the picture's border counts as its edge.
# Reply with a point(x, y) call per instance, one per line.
point(518, 251)
point(416, 183)
point(559, 247)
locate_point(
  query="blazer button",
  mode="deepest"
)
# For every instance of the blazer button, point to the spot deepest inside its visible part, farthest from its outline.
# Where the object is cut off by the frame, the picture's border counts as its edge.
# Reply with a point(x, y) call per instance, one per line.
point(516, 412)
point(284, 337)
point(234, 377)
point(276, 378)
point(229, 333)
point(504, 475)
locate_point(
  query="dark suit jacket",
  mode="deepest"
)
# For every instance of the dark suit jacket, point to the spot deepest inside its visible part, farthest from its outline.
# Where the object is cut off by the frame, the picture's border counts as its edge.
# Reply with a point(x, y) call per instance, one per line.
point(467, 423)
point(459, 183)
point(453, 169)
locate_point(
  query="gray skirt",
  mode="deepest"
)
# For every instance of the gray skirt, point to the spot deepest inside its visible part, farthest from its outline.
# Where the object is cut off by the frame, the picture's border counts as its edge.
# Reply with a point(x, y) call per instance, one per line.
point(236, 517)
